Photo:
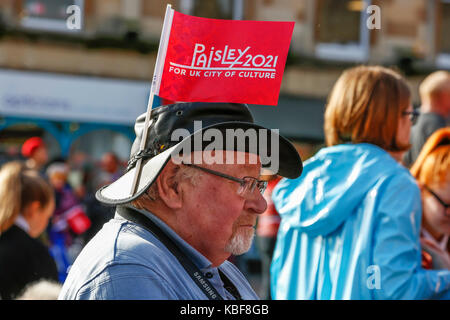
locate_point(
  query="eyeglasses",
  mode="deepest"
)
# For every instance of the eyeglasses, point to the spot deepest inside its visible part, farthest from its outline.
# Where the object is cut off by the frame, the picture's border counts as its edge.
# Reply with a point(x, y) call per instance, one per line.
point(247, 184)
point(445, 205)
point(413, 115)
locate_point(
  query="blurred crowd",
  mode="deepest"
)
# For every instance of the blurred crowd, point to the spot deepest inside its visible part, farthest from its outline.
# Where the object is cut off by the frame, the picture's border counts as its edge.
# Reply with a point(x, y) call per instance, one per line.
point(51, 230)
point(360, 223)
point(48, 211)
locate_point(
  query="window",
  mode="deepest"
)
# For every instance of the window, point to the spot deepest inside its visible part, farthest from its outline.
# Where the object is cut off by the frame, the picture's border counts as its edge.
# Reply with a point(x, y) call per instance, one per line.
point(218, 9)
point(442, 38)
point(47, 15)
point(340, 30)
point(156, 8)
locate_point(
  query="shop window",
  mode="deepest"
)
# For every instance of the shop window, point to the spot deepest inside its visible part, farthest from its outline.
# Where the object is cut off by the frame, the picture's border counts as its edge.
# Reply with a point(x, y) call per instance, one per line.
point(341, 31)
point(442, 37)
point(98, 142)
point(48, 15)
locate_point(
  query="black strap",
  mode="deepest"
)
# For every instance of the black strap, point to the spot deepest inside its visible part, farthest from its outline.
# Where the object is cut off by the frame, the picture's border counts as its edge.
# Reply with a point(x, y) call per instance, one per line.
point(192, 270)
point(229, 286)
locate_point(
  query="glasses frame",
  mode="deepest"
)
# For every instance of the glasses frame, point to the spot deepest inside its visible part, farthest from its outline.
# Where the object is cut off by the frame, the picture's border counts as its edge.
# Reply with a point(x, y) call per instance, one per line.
point(262, 185)
point(445, 205)
point(413, 115)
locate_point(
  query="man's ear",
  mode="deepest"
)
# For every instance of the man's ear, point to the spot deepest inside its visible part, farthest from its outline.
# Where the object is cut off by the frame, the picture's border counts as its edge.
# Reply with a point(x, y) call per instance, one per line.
point(168, 187)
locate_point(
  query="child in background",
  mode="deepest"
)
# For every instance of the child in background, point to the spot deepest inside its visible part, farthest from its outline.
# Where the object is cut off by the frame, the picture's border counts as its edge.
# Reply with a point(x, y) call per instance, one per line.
point(68, 222)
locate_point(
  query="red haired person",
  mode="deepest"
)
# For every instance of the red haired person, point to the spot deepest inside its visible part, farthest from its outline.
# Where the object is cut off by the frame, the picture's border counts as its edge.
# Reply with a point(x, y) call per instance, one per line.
point(432, 171)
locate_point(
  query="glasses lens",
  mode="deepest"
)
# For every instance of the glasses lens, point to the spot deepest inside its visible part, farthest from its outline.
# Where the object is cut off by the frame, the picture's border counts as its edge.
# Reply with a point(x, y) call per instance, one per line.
point(249, 185)
point(243, 188)
point(262, 185)
point(442, 202)
point(413, 115)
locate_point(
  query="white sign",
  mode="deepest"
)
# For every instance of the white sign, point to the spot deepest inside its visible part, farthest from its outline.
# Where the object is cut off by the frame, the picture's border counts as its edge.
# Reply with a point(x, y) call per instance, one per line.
point(72, 98)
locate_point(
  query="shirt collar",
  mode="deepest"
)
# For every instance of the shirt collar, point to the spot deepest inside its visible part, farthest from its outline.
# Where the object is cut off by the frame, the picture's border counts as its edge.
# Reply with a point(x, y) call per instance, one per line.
point(22, 223)
point(196, 257)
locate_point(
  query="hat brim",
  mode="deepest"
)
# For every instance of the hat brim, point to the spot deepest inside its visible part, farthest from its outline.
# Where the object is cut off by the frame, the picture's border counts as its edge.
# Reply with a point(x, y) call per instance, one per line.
point(119, 192)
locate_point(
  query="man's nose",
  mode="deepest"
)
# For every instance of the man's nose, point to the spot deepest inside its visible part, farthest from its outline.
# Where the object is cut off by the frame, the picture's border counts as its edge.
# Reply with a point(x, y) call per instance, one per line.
point(256, 203)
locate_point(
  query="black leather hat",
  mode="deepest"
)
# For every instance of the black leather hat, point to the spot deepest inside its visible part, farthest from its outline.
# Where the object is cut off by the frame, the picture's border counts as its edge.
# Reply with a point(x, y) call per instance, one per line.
point(177, 126)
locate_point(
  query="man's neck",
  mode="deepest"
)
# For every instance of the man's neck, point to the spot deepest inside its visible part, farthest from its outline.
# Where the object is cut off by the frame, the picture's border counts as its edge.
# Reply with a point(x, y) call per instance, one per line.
point(169, 218)
point(434, 108)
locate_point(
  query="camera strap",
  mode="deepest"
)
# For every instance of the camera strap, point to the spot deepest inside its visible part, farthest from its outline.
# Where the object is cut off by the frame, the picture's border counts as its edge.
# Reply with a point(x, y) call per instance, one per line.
point(191, 269)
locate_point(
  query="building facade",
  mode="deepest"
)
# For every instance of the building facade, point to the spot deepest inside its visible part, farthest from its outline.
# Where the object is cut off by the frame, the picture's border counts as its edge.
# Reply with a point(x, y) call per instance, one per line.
point(112, 48)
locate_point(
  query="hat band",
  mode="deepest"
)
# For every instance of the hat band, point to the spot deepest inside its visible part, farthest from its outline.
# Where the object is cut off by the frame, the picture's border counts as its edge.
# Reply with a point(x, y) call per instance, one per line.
point(143, 154)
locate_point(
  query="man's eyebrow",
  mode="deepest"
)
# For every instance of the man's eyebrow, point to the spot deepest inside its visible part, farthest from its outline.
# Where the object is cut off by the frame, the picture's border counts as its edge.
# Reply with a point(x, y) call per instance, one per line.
point(250, 166)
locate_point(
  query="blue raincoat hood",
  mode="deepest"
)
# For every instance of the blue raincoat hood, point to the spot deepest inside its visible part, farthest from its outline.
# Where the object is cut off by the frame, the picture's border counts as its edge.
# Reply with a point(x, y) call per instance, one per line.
point(350, 228)
point(334, 182)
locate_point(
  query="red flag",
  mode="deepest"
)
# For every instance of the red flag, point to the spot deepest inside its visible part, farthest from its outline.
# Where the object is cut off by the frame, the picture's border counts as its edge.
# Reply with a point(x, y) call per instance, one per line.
point(78, 221)
point(212, 60)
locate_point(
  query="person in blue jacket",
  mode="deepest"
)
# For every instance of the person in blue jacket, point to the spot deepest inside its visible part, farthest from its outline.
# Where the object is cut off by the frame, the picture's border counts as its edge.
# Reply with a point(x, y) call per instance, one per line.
point(351, 223)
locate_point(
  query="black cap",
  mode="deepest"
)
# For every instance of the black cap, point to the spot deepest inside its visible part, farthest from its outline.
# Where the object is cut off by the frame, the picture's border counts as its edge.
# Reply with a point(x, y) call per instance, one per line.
point(177, 126)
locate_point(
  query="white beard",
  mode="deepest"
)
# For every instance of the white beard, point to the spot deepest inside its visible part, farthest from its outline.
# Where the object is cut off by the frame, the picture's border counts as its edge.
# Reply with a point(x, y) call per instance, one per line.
point(241, 241)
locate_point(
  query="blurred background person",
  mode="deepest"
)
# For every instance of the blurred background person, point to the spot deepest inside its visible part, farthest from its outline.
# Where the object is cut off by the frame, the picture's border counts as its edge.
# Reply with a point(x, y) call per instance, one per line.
point(266, 235)
point(350, 225)
point(41, 290)
point(27, 203)
point(35, 152)
point(69, 220)
point(10, 154)
point(435, 111)
point(80, 175)
point(432, 171)
point(110, 171)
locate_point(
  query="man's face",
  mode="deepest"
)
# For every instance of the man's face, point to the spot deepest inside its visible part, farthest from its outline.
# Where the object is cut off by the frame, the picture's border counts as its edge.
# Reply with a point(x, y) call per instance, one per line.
point(445, 99)
point(40, 155)
point(109, 163)
point(218, 220)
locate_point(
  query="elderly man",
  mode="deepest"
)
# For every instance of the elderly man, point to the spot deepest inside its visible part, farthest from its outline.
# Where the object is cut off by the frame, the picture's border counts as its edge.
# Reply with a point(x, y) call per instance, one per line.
point(194, 206)
point(435, 111)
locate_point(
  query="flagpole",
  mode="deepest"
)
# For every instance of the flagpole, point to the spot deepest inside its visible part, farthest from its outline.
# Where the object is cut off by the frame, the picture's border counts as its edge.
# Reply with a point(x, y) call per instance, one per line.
point(156, 81)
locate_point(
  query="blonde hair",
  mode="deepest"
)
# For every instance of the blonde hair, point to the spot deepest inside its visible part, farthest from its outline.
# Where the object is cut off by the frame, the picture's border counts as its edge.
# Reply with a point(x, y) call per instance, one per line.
point(20, 186)
point(433, 163)
point(365, 105)
point(434, 84)
point(41, 290)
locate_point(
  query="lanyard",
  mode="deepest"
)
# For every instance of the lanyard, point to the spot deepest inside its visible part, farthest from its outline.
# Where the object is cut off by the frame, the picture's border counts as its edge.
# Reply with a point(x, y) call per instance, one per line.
point(192, 270)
